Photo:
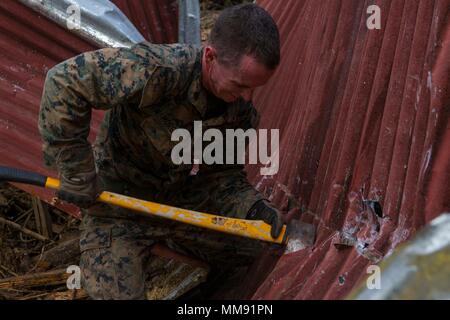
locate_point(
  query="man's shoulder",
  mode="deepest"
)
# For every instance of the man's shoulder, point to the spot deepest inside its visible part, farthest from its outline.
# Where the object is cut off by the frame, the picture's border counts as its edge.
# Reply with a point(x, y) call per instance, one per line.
point(167, 55)
point(178, 58)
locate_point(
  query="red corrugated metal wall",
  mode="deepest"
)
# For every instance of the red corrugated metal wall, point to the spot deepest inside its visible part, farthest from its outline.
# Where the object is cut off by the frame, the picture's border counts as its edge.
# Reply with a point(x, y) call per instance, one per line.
point(362, 116)
point(361, 113)
point(30, 45)
point(156, 20)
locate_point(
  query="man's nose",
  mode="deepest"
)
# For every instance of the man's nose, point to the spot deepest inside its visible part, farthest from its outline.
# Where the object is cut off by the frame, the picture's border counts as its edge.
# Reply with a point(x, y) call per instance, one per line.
point(247, 94)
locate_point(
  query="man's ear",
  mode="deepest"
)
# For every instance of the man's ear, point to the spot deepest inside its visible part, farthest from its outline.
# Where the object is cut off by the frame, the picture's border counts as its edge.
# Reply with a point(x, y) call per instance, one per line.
point(210, 54)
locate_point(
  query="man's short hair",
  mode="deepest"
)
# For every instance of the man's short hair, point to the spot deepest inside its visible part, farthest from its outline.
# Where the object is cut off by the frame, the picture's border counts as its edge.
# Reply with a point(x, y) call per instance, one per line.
point(246, 29)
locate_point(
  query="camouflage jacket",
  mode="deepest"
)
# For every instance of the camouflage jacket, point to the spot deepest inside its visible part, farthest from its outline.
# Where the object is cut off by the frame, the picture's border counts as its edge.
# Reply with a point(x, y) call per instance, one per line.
point(148, 91)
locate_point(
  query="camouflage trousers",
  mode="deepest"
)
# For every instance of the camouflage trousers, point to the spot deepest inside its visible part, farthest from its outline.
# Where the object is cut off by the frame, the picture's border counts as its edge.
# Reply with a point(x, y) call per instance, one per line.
point(115, 243)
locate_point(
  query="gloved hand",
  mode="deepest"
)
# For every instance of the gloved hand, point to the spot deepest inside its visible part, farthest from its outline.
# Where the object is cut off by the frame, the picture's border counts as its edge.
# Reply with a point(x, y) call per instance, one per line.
point(80, 189)
point(263, 210)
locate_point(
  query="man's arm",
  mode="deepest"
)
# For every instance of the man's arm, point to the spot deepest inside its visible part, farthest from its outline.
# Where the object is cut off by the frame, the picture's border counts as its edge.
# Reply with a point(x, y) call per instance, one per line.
point(251, 203)
point(101, 79)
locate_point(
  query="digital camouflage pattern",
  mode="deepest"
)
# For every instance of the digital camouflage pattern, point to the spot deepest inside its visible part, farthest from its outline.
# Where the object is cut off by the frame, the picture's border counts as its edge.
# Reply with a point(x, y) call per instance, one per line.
point(115, 252)
point(148, 91)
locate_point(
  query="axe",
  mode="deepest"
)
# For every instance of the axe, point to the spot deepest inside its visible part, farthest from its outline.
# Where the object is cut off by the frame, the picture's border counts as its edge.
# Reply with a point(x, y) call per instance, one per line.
point(295, 236)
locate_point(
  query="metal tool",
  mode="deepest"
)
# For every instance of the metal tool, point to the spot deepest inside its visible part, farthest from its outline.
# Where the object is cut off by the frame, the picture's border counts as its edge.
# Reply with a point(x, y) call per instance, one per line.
point(296, 236)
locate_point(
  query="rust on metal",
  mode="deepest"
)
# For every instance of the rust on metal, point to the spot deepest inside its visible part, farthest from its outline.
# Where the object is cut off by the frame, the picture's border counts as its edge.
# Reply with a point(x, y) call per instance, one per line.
point(31, 45)
point(363, 116)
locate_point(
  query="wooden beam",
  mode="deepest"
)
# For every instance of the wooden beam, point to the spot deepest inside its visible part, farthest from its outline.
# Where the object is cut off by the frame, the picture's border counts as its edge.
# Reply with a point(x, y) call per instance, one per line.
point(64, 253)
point(42, 217)
point(68, 295)
point(50, 278)
point(22, 229)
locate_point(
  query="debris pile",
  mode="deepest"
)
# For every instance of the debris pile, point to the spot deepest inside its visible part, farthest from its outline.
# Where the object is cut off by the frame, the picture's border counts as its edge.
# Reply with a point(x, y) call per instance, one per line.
point(37, 244)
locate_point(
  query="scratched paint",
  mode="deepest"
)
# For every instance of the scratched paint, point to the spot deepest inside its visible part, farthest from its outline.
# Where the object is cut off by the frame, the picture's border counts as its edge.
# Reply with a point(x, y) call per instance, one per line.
point(30, 47)
point(355, 113)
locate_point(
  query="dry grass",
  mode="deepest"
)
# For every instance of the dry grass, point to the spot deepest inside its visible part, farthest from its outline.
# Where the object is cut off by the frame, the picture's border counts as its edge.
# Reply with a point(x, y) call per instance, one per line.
point(19, 251)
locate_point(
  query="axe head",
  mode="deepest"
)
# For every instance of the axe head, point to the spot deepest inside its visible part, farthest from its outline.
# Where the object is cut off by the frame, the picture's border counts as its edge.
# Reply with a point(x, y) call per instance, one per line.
point(300, 235)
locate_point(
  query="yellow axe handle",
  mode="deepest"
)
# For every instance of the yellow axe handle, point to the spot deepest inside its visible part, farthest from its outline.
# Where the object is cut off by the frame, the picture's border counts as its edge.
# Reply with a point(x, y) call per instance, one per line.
point(253, 229)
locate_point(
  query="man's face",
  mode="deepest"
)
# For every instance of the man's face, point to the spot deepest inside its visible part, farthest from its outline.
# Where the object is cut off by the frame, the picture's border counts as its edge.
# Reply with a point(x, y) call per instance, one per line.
point(229, 83)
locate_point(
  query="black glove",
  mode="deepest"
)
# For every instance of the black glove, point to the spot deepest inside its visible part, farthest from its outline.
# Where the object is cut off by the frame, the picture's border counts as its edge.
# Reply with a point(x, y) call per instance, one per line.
point(80, 189)
point(262, 210)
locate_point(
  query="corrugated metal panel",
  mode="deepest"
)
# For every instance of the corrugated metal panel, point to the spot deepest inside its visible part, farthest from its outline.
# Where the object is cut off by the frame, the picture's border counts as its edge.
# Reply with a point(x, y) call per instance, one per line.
point(361, 113)
point(362, 116)
point(31, 45)
point(156, 20)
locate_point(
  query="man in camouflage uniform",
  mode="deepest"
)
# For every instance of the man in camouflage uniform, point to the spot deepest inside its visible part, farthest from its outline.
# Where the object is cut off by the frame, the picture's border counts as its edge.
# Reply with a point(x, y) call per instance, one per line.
point(149, 91)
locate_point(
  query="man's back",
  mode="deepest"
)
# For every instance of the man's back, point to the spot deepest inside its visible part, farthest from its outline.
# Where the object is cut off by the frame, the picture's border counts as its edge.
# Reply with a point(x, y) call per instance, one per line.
point(149, 91)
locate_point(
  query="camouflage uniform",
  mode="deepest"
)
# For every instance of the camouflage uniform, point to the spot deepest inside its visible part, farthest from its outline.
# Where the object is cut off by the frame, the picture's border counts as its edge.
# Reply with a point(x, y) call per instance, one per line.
point(148, 92)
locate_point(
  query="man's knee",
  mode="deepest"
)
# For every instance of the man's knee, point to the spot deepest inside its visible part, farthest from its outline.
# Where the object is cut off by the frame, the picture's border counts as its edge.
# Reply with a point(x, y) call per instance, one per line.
point(112, 268)
point(104, 279)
